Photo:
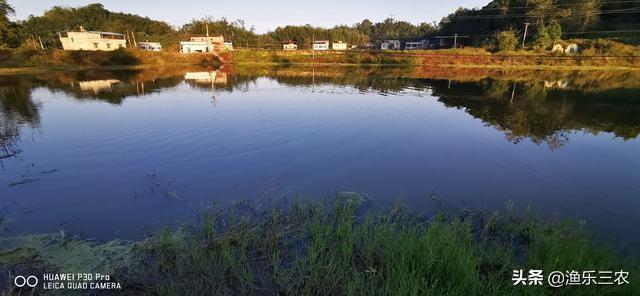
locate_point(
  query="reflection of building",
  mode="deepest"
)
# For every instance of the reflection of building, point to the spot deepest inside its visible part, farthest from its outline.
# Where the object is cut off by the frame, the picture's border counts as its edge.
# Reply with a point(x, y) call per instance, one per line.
point(390, 45)
point(150, 46)
point(289, 45)
point(203, 44)
point(97, 86)
point(217, 77)
point(91, 40)
point(339, 45)
point(321, 45)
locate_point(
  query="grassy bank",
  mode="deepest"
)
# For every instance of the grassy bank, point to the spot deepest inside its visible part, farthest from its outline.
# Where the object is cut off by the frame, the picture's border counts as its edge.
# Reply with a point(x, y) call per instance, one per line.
point(473, 57)
point(11, 59)
point(307, 249)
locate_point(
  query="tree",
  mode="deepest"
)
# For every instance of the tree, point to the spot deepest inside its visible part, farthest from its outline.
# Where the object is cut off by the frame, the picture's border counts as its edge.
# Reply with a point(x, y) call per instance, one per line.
point(9, 35)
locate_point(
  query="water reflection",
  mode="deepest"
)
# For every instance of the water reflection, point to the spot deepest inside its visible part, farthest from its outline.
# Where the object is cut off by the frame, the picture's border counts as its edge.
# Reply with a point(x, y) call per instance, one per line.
point(149, 141)
point(543, 107)
point(16, 109)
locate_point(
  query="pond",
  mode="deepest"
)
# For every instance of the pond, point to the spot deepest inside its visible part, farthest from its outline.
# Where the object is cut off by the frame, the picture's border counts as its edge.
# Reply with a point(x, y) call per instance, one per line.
point(112, 154)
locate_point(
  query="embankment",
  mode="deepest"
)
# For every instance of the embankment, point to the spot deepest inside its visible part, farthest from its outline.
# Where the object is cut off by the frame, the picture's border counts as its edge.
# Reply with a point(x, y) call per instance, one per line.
point(12, 60)
point(459, 58)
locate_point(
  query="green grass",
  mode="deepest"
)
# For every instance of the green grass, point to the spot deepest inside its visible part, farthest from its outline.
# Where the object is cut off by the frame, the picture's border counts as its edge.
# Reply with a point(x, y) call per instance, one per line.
point(320, 250)
point(331, 249)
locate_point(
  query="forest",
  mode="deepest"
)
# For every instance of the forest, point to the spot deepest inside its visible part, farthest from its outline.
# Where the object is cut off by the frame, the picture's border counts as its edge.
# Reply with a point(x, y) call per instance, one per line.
point(546, 22)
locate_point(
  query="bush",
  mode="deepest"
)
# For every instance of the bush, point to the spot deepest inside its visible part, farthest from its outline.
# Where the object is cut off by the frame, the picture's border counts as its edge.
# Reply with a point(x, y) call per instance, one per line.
point(507, 40)
point(122, 57)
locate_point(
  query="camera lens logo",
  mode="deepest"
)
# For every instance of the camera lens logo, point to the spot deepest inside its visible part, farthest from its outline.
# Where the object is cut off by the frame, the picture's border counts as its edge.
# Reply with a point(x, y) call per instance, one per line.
point(21, 281)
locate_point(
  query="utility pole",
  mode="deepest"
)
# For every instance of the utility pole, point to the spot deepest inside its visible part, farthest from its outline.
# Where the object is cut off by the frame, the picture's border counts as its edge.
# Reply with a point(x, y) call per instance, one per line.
point(133, 35)
point(455, 40)
point(313, 49)
point(524, 38)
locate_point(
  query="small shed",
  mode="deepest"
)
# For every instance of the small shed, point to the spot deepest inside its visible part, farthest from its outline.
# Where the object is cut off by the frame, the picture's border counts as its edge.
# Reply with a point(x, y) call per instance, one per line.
point(150, 46)
point(289, 45)
point(415, 45)
point(390, 45)
point(339, 45)
point(321, 45)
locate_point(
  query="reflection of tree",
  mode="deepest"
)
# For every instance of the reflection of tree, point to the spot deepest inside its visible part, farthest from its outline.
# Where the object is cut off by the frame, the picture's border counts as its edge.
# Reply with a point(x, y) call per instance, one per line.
point(16, 109)
point(542, 115)
point(534, 109)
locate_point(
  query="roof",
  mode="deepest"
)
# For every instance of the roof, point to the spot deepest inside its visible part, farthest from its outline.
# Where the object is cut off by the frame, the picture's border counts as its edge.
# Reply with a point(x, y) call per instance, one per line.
point(92, 32)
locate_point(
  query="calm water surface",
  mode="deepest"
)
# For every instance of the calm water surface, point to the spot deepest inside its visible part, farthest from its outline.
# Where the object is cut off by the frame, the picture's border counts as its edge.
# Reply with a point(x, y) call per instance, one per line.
point(109, 154)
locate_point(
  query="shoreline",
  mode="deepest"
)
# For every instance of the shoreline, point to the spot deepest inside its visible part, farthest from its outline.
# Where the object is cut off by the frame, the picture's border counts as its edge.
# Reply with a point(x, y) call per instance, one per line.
point(46, 69)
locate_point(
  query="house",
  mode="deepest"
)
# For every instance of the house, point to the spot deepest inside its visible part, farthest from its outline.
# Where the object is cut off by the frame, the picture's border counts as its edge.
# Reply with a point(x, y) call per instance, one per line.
point(289, 45)
point(321, 45)
point(416, 45)
point(339, 45)
point(390, 45)
point(150, 46)
point(203, 44)
point(228, 46)
point(91, 40)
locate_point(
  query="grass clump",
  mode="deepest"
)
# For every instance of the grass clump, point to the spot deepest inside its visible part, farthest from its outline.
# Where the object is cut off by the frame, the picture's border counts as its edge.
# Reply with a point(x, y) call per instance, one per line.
point(331, 250)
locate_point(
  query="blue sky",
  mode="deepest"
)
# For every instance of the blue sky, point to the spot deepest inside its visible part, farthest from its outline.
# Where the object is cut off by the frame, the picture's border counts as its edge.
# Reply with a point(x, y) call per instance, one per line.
point(266, 15)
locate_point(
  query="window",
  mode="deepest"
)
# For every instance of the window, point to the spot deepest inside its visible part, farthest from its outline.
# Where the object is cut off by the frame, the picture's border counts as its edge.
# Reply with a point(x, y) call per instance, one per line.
point(95, 45)
point(108, 45)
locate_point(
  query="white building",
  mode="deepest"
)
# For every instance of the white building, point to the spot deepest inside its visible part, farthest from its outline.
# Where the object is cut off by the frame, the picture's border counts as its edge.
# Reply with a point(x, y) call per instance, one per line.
point(228, 46)
point(150, 46)
point(289, 45)
point(339, 45)
point(91, 40)
point(321, 45)
point(390, 45)
point(415, 45)
point(202, 44)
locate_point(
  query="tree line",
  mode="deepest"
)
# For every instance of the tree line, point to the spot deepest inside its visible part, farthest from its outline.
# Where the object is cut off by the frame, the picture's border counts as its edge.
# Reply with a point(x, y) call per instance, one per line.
point(490, 25)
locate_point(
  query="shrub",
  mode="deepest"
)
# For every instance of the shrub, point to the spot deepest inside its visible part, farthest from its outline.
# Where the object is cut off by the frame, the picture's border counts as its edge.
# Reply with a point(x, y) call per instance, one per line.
point(507, 40)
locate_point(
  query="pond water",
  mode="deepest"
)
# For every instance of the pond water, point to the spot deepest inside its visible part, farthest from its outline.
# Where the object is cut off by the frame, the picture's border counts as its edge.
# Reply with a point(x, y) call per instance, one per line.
point(110, 154)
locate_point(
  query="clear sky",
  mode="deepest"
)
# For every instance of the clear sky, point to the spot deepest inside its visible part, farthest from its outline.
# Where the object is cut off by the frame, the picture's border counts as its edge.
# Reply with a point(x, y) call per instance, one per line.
point(266, 15)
